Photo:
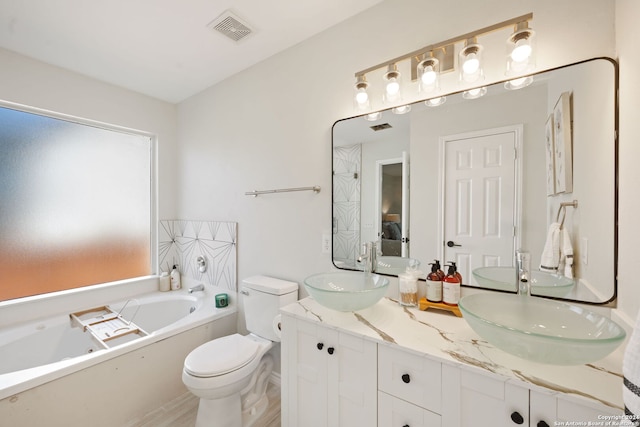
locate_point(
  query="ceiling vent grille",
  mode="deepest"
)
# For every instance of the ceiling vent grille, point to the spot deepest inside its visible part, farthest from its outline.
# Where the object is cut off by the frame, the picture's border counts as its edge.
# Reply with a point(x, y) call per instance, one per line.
point(230, 26)
point(383, 126)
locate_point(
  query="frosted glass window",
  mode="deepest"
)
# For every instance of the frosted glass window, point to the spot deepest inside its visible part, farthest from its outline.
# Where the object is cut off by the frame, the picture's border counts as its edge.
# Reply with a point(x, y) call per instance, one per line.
point(75, 204)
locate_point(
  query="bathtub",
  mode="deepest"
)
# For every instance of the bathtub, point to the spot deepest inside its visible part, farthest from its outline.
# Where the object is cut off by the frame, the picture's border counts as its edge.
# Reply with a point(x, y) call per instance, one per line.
point(36, 353)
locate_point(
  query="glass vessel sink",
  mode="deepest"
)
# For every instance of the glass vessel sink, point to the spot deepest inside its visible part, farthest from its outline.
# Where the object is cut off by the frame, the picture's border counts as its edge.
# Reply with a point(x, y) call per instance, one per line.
point(346, 290)
point(395, 265)
point(541, 330)
point(504, 278)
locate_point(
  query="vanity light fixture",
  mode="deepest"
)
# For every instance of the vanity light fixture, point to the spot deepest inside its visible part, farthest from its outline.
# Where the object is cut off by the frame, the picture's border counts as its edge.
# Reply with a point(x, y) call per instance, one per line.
point(521, 50)
point(474, 93)
point(372, 117)
point(470, 60)
point(403, 109)
point(361, 97)
point(434, 102)
point(431, 62)
point(518, 83)
point(393, 85)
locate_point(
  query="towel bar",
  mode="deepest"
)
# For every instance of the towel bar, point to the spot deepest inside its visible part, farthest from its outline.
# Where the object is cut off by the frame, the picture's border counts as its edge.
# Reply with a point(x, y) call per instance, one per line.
point(255, 193)
point(563, 209)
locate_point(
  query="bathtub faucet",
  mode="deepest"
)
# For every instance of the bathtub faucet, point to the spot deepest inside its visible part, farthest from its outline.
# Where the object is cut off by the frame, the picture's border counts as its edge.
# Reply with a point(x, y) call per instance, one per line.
point(200, 287)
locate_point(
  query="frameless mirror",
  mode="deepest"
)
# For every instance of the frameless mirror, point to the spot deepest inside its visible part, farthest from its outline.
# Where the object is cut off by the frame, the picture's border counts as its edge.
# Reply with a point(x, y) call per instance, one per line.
point(473, 180)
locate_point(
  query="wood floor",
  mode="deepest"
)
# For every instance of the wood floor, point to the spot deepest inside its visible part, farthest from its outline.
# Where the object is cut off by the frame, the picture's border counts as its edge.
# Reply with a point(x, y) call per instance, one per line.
point(181, 412)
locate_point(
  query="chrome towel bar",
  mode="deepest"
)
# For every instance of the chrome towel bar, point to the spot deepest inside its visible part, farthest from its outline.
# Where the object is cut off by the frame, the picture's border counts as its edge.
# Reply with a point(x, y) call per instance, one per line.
point(255, 193)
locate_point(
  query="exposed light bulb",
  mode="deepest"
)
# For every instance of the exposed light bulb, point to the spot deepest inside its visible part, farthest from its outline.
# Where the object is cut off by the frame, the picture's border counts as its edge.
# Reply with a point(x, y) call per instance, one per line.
point(522, 51)
point(393, 87)
point(471, 64)
point(362, 97)
point(429, 75)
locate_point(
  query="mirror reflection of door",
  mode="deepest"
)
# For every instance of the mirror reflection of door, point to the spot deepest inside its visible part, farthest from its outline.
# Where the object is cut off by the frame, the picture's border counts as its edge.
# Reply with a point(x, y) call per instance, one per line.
point(392, 206)
point(481, 209)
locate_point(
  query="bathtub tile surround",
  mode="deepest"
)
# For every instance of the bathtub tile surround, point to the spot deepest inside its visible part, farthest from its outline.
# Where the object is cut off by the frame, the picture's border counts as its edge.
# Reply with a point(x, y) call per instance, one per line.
point(346, 199)
point(182, 241)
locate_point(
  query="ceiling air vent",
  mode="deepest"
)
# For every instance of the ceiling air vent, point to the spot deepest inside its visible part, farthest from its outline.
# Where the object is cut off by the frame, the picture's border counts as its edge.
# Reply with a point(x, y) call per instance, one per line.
point(231, 26)
point(381, 127)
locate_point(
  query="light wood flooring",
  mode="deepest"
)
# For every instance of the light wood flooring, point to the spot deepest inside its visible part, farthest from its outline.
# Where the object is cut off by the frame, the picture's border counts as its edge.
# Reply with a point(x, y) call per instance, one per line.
point(181, 412)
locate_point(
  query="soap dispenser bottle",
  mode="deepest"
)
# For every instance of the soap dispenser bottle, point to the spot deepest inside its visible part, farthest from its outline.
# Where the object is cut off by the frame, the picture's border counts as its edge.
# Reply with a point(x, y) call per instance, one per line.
point(440, 272)
point(434, 284)
point(457, 273)
point(175, 278)
point(451, 287)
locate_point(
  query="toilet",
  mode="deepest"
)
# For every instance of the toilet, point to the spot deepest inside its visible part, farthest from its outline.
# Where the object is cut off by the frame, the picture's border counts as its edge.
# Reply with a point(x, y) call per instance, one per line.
point(230, 374)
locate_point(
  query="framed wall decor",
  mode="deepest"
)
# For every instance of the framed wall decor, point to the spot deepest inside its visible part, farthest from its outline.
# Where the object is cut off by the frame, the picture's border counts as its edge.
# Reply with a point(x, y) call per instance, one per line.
point(563, 144)
point(550, 156)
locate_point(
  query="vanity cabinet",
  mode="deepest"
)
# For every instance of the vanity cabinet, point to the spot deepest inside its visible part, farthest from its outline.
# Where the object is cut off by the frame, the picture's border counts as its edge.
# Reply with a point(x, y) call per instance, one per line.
point(328, 377)
point(334, 376)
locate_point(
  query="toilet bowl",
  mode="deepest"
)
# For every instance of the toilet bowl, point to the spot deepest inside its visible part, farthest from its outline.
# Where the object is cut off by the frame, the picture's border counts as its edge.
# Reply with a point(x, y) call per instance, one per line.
point(230, 374)
point(226, 371)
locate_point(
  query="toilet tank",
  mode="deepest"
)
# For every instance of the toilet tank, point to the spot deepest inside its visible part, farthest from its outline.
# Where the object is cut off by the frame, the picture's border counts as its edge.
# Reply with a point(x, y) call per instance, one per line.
point(262, 297)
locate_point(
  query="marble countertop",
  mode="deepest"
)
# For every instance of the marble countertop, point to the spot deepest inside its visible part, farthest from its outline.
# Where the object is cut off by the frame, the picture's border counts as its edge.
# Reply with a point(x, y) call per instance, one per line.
point(442, 335)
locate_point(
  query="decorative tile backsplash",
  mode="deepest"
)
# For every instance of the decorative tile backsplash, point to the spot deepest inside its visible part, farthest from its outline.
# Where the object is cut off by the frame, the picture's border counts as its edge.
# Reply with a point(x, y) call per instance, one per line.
point(181, 242)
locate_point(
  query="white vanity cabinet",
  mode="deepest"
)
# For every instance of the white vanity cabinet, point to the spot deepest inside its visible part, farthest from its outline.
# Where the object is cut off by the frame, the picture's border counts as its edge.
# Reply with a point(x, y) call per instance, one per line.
point(328, 377)
point(346, 369)
point(472, 399)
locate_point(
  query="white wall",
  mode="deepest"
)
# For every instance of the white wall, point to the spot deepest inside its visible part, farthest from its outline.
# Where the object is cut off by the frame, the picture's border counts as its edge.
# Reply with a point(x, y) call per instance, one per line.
point(269, 126)
point(36, 84)
point(627, 35)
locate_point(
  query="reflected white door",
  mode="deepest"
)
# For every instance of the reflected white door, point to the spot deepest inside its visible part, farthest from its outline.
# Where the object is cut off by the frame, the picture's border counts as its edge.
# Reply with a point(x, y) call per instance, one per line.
point(481, 175)
point(403, 163)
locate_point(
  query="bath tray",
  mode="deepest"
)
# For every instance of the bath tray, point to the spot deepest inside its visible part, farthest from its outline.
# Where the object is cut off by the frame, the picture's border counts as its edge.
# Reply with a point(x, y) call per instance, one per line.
point(424, 304)
point(104, 324)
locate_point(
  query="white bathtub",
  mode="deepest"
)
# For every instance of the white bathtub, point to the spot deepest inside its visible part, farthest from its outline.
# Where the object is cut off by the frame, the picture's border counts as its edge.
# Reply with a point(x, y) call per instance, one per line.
point(38, 351)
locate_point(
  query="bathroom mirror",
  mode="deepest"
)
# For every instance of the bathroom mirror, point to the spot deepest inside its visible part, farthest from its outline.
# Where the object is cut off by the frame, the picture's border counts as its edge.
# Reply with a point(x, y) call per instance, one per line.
point(473, 180)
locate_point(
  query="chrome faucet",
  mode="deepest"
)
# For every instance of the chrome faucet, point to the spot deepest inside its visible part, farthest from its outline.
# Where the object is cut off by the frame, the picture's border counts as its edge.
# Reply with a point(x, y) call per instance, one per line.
point(523, 273)
point(200, 287)
point(368, 256)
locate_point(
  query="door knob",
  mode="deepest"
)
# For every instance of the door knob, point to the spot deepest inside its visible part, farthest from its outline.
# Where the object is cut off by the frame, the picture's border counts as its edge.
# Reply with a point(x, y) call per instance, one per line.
point(451, 244)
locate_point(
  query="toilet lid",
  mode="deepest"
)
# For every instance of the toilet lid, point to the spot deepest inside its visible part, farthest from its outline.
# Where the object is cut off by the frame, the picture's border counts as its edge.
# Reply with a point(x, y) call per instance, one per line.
point(221, 356)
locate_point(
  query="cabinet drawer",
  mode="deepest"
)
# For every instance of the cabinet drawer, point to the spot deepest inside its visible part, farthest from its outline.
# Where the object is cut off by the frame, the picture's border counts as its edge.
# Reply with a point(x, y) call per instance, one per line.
point(394, 412)
point(410, 377)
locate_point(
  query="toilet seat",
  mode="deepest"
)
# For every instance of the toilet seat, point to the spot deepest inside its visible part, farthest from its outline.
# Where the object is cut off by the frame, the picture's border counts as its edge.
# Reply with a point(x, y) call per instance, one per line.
point(221, 356)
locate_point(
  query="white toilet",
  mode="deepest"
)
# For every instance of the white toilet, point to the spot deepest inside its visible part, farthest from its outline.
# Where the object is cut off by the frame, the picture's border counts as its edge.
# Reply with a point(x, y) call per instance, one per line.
point(230, 374)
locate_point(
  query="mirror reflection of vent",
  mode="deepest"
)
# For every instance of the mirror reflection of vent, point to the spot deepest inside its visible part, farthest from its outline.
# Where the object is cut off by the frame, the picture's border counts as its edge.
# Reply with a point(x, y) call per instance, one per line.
point(383, 126)
point(230, 26)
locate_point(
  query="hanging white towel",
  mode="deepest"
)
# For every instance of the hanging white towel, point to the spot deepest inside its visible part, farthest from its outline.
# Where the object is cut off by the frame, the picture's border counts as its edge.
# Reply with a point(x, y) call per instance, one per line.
point(566, 254)
point(631, 374)
point(550, 259)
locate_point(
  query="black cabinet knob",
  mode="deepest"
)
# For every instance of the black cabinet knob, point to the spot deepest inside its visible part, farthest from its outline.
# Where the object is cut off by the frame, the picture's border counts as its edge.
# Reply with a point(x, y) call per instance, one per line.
point(406, 425)
point(406, 378)
point(330, 350)
point(517, 418)
point(320, 346)
point(542, 424)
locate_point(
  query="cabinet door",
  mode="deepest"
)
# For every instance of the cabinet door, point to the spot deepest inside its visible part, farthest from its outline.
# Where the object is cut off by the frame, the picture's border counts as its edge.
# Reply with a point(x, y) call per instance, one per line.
point(570, 409)
point(304, 368)
point(394, 412)
point(471, 399)
point(352, 381)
